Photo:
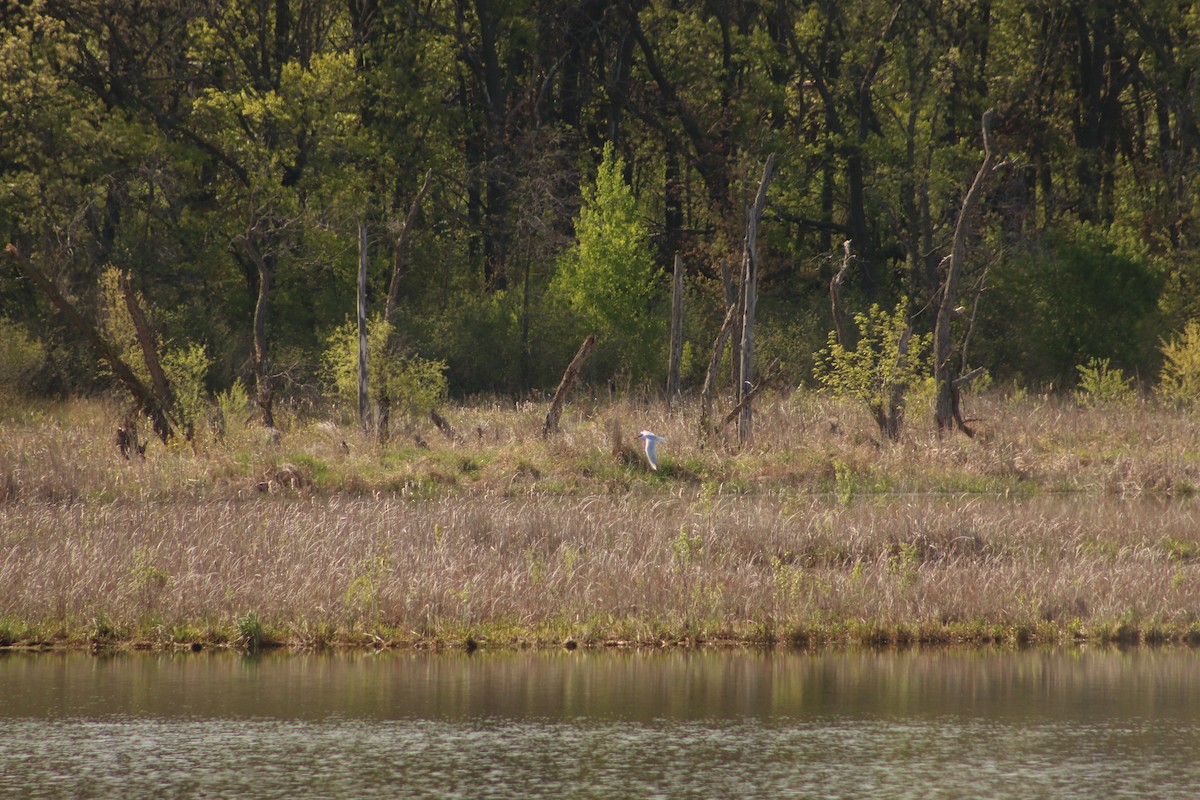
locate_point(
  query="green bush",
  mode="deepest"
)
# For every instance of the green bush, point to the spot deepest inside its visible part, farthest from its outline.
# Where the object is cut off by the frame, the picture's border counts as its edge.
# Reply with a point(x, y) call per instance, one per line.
point(1179, 380)
point(233, 406)
point(874, 370)
point(186, 369)
point(412, 385)
point(1100, 382)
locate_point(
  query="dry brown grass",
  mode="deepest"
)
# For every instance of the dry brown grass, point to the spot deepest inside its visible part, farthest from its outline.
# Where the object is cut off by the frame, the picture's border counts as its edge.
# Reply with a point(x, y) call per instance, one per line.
point(1057, 522)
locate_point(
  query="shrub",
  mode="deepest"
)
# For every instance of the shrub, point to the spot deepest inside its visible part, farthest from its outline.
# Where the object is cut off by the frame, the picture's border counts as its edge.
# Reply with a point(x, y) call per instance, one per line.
point(1179, 380)
point(875, 372)
point(234, 409)
point(252, 633)
point(186, 369)
point(412, 385)
point(1100, 382)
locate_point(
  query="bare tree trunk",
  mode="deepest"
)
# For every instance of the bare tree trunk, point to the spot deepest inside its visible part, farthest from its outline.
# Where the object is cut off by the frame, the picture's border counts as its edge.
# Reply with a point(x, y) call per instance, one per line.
point(364, 405)
point(393, 296)
point(142, 394)
point(835, 296)
point(750, 301)
point(257, 262)
point(264, 392)
point(676, 333)
point(946, 368)
point(739, 330)
point(398, 248)
point(565, 385)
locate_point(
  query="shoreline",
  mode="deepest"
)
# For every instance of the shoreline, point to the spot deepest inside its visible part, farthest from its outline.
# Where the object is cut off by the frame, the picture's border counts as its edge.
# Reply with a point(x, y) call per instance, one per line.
point(981, 636)
point(1153, 638)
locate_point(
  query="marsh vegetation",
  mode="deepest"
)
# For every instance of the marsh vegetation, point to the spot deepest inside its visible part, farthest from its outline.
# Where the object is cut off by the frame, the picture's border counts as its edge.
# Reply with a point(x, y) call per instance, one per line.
point(1059, 522)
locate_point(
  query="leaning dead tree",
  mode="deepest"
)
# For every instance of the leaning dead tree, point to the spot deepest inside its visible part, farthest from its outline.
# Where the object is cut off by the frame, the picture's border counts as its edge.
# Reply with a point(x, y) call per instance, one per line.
point(565, 385)
point(155, 402)
point(767, 378)
point(947, 360)
point(706, 428)
point(149, 346)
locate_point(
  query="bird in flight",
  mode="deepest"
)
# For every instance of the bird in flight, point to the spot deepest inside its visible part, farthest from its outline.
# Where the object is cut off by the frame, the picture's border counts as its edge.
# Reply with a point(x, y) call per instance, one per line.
point(651, 441)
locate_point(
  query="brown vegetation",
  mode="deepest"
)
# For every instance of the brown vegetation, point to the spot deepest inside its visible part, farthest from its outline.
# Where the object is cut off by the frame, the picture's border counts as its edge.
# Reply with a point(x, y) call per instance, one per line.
point(1057, 523)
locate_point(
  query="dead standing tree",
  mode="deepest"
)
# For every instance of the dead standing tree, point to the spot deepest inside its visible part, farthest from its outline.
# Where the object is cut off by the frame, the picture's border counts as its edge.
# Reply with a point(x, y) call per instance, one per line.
point(739, 321)
point(749, 302)
point(399, 244)
point(676, 356)
point(255, 254)
point(947, 364)
point(364, 405)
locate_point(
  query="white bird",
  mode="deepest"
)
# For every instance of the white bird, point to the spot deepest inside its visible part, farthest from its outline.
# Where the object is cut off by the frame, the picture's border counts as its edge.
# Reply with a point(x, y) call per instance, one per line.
point(651, 441)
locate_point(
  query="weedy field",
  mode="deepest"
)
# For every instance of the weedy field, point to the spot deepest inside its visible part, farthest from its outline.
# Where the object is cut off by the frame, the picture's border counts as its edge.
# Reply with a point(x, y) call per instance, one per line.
point(1057, 523)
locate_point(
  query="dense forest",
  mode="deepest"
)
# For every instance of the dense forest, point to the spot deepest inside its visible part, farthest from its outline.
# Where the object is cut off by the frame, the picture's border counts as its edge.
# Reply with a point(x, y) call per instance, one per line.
point(525, 173)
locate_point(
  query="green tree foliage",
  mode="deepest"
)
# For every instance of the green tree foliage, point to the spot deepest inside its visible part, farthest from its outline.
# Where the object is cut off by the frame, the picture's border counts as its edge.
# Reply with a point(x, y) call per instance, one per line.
point(186, 368)
point(223, 154)
point(609, 278)
point(1066, 300)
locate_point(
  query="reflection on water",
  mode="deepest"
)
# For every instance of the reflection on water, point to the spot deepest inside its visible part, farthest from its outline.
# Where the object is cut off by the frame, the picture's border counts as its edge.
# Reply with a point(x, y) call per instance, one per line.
point(613, 725)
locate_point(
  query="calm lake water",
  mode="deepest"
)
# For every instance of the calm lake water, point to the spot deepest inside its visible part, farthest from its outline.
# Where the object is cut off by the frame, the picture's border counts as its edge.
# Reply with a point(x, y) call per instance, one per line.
point(909, 724)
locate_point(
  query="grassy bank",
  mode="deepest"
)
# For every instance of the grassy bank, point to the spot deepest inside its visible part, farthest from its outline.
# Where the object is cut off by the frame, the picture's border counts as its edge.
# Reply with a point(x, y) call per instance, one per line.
point(1056, 524)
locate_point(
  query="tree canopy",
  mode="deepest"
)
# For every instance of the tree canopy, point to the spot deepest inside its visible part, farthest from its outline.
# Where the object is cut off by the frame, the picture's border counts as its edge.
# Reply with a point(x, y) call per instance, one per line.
point(222, 153)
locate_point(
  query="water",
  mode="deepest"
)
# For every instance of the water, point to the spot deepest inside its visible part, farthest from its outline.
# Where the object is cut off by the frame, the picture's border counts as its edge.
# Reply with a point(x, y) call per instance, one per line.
point(911, 724)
